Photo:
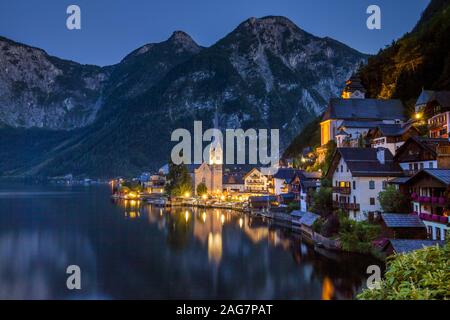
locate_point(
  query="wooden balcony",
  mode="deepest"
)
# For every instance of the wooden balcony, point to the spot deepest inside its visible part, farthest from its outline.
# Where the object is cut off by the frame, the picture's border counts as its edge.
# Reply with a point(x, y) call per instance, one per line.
point(342, 190)
point(346, 206)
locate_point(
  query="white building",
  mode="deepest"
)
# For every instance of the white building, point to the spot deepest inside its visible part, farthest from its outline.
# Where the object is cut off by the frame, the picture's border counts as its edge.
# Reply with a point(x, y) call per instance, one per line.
point(358, 175)
point(255, 181)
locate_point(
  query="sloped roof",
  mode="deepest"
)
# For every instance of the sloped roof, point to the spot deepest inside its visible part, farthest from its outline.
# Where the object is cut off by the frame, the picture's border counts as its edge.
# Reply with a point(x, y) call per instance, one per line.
point(312, 175)
point(286, 173)
point(309, 218)
point(429, 144)
point(424, 97)
point(406, 245)
point(398, 220)
point(442, 97)
point(364, 109)
point(359, 124)
point(309, 184)
point(399, 180)
point(234, 178)
point(392, 130)
point(443, 175)
point(363, 162)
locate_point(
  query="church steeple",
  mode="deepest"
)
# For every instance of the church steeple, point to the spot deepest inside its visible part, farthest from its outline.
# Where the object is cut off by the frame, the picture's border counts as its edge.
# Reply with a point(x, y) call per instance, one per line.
point(353, 88)
point(216, 151)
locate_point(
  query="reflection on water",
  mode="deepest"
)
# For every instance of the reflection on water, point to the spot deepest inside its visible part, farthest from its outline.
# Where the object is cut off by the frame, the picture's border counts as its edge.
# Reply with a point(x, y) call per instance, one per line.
point(128, 249)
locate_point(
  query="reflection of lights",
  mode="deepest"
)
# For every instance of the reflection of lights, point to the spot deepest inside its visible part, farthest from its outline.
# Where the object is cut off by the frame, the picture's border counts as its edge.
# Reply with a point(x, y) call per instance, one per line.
point(204, 197)
point(214, 247)
point(186, 215)
point(160, 212)
point(327, 289)
point(187, 194)
point(222, 198)
point(241, 222)
point(204, 217)
point(222, 219)
point(133, 214)
point(133, 203)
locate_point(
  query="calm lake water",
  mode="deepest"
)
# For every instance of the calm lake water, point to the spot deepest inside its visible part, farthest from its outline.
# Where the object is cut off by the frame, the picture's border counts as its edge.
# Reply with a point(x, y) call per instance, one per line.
point(134, 251)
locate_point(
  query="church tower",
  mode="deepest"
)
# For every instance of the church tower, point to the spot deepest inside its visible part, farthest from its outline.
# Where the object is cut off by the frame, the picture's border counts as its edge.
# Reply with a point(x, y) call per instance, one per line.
point(353, 89)
point(216, 161)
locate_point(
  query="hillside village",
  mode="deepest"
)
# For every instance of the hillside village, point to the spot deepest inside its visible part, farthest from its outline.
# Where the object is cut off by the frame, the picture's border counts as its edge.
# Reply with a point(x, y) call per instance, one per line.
point(369, 150)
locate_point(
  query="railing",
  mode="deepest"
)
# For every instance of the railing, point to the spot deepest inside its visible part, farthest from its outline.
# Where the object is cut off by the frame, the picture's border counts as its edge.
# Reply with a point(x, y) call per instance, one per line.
point(346, 206)
point(441, 201)
point(342, 190)
point(434, 218)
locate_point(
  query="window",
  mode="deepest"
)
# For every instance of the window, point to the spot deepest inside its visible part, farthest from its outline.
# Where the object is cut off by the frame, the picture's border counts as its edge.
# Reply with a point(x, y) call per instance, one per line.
point(410, 167)
point(384, 185)
point(430, 165)
point(342, 168)
point(421, 166)
point(371, 185)
point(372, 201)
point(354, 199)
point(354, 185)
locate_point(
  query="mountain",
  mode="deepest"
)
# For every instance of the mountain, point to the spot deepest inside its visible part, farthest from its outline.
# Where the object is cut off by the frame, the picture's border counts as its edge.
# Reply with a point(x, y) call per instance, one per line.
point(267, 73)
point(420, 59)
point(37, 90)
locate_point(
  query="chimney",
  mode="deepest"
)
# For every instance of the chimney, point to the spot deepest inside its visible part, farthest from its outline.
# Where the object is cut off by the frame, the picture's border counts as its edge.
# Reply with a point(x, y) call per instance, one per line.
point(380, 155)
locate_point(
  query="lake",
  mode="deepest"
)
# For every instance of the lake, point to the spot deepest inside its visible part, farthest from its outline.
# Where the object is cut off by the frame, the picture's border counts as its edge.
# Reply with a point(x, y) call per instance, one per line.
point(131, 250)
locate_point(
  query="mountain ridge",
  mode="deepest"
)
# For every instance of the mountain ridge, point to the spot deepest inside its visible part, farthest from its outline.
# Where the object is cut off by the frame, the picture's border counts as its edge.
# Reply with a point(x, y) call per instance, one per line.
point(266, 73)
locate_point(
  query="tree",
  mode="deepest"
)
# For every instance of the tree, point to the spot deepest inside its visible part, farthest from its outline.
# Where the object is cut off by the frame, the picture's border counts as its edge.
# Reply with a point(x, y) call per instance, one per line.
point(420, 275)
point(331, 149)
point(357, 236)
point(323, 199)
point(392, 200)
point(202, 189)
point(178, 180)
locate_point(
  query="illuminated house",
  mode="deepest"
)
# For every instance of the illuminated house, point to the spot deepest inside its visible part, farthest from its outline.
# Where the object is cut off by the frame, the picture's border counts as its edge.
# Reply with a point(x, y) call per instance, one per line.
point(429, 190)
point(360, 115)
point(358, 175)
point(435, 107)
point(255, 181)
point(349, 118)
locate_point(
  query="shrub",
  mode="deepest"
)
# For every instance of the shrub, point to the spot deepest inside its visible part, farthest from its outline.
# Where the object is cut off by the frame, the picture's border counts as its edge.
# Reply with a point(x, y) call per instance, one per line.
point(420, 275)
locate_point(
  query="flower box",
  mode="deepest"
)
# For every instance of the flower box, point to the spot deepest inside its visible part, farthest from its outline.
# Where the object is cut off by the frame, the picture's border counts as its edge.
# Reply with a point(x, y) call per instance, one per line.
point(434, 199)
point(435, 218)
point(443, 219)
point(441, 200)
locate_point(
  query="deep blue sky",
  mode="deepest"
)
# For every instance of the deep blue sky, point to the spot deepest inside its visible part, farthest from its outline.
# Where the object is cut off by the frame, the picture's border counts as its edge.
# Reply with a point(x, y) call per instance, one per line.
point(113, 28)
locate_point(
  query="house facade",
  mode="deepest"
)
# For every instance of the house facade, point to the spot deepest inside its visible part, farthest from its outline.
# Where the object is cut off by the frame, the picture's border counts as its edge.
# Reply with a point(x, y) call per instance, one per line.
point(430, 193)
point(358, 176)
point(419, 153)
point(255, 181)
point(392, 136)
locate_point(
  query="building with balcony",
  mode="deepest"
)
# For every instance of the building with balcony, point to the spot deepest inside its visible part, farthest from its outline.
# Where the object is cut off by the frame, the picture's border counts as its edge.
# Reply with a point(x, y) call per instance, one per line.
point(255, 181)
point(439, 125)
point(419, 153)
point(430, 194)
point(431, 103)
point(358, 175)
point(391, 136)
point(360, 115)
